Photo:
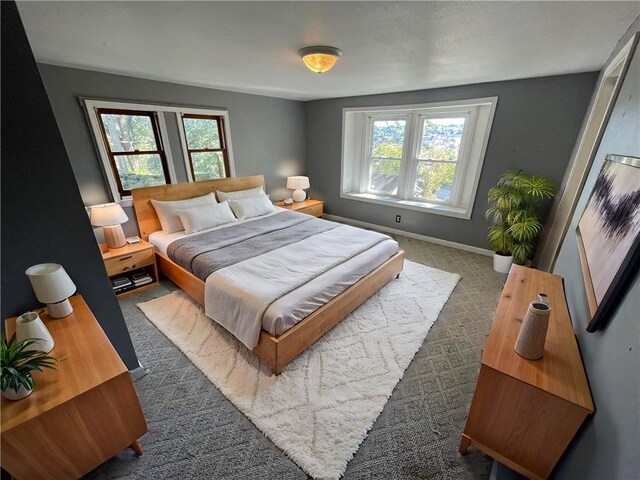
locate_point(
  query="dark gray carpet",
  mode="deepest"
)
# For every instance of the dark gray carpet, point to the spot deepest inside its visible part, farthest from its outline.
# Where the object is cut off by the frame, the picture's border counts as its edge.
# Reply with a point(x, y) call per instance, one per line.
point(196, 433)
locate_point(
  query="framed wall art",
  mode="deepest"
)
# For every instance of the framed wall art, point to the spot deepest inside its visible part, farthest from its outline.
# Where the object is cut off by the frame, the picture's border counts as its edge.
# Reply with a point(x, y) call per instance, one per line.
point(608, 236)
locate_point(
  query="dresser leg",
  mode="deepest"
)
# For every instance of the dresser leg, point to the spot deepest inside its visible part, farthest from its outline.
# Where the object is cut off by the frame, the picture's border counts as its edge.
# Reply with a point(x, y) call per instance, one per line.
point(135, 446)
point(464, 444)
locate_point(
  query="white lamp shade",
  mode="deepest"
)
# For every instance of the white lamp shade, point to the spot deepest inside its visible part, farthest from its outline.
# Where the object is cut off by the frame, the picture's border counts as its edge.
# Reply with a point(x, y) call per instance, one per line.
point(295, 183)
point(107, 215)
point(50, 282)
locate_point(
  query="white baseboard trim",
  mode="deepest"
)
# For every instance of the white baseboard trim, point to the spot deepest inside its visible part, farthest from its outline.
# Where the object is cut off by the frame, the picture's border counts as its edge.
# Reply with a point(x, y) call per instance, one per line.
point(138, 372)
point(424, 238)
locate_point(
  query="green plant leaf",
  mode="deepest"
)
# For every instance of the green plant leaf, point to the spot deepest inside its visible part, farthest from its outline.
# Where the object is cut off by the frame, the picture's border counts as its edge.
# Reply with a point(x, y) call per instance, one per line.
point(525, 230)
point(500, 240)
point(522, 252)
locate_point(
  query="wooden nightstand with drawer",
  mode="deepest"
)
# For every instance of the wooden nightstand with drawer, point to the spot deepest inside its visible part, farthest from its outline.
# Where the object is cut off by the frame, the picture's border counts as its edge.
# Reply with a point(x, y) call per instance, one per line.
point(310, 207)
point(134, 258)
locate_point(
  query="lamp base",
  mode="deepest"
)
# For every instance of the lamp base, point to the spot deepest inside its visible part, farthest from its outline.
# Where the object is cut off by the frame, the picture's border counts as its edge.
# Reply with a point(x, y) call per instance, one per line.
point(114, 236)
point(299, 195)
point(60, 309)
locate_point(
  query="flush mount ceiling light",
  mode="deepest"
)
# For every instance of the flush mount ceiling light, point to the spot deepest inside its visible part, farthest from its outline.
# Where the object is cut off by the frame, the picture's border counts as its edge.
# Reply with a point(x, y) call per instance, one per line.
point(320, 59)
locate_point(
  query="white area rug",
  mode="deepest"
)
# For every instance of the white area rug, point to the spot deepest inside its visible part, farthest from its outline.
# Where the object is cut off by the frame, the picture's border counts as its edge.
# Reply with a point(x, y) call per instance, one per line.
point(319, 410)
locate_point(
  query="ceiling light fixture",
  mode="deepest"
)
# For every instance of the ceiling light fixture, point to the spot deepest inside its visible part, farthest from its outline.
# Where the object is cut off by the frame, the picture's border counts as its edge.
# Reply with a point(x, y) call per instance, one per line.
point(320, 59)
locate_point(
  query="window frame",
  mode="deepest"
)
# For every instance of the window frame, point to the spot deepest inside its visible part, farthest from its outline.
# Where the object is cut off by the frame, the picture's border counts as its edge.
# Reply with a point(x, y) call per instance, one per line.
point(153, 117)
point(163, 113)
point(188, 151)
point(357, 142)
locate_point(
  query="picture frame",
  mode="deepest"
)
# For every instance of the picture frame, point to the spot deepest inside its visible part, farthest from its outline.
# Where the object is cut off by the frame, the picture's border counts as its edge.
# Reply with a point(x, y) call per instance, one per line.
point(608, 237)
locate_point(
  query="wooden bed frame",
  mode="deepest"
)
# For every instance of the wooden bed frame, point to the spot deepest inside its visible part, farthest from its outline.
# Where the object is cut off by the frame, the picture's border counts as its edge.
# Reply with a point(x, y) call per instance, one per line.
point(276, 351)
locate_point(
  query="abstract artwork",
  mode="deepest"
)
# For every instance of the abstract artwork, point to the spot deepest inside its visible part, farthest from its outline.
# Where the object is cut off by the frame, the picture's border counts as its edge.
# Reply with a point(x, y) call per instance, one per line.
point(608, 236)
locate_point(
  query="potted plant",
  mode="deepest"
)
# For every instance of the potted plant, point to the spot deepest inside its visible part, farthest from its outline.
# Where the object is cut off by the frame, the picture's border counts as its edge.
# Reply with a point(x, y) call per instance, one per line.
point(16, 364)
point(514, 213)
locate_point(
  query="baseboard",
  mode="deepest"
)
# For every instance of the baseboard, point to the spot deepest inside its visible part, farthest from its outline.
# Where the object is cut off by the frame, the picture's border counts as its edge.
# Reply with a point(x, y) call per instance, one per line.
point(424, 238)
point(138, 372)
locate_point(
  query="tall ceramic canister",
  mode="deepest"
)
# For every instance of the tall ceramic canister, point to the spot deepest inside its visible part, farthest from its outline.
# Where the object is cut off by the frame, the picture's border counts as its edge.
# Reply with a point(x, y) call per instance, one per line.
point(533, 333)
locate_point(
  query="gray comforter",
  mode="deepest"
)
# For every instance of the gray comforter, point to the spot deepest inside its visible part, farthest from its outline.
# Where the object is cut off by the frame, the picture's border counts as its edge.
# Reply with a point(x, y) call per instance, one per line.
point(207, 252)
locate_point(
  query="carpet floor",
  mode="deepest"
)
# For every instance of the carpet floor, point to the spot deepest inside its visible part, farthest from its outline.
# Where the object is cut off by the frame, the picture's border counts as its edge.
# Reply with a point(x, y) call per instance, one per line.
point(320, 408)
point(196, 433)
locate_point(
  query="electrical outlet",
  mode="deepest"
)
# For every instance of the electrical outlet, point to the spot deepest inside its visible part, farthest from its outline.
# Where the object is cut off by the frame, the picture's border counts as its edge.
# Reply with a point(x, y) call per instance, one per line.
point(398, 218)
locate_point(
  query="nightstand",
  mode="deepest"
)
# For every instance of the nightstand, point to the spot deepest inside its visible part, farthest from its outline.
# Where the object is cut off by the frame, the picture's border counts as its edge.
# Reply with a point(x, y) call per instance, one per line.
point(310, 207)
point(130, 259)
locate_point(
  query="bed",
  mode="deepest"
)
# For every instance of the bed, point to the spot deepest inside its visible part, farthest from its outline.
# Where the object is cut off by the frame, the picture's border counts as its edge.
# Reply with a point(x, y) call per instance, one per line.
point(304, 312)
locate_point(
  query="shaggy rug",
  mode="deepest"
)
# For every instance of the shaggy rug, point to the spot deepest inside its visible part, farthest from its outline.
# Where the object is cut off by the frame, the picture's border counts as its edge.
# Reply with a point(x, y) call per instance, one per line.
point(319, 410)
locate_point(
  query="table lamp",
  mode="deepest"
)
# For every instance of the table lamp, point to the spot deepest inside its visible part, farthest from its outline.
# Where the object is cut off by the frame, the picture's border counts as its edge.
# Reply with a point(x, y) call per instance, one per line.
point(298, 184)
point(53, 286)
point(110, 216)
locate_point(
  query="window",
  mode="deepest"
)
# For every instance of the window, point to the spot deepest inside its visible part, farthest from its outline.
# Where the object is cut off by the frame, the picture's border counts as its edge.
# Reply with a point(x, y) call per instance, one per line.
point(425, 157)
point(134, 149)
point(205, 146)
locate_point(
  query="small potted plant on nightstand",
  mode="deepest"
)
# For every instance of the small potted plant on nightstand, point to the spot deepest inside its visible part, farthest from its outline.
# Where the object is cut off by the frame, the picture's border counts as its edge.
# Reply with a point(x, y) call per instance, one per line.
point(514, 213)
point(17, 362)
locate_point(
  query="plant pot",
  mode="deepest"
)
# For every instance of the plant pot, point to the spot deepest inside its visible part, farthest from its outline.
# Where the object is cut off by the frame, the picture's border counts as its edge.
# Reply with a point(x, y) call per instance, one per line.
point(502, 263)
point(11, 394)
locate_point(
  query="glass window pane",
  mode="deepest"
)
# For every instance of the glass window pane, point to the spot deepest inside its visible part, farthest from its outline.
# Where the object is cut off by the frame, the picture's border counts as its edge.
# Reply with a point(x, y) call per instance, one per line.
point(384, 175)
point(387, 138)
point(441, 139)
point(128, 133)
point(139, 170)
point(201, 133)
point(208, 165)
point(434, 181)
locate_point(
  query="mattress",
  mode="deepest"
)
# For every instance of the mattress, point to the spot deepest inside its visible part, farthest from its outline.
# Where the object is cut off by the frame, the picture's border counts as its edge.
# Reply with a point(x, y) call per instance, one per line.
point(304, 298)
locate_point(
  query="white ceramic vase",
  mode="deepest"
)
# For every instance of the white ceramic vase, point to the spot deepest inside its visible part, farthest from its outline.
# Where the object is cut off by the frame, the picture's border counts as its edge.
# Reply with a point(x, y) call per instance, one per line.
point(30, 325)
point(11, 394)
point(502, 263)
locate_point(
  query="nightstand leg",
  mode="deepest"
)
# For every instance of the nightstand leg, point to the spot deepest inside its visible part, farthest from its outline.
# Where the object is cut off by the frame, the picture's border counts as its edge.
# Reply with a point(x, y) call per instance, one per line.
point(464, 444)
point(135, 446)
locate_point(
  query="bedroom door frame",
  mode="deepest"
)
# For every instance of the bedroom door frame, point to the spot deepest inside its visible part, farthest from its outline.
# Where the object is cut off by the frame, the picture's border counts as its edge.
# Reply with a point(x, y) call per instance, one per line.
point(588, 143)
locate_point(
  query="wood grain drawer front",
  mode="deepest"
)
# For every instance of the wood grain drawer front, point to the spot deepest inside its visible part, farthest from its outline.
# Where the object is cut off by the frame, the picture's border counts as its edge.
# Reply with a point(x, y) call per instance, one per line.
point(129, 262)
point(315, 210)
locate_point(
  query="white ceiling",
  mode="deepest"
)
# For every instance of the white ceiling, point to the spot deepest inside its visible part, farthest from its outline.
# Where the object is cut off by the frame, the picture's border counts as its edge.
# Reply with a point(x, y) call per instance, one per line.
point(388, 46)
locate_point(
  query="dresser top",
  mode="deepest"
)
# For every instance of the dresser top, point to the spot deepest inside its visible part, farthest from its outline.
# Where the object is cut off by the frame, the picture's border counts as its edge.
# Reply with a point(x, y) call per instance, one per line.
point(560, 371)
point(86, 359)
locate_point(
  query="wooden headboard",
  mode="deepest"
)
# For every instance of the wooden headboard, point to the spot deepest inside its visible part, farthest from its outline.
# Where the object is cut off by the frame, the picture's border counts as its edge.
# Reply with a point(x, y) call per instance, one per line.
point(148, 221)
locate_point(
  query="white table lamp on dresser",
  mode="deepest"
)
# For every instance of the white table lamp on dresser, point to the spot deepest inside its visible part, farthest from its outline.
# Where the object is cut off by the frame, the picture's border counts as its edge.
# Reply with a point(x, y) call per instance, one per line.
point(53, 286)
point(110, 216)
point(298, 184)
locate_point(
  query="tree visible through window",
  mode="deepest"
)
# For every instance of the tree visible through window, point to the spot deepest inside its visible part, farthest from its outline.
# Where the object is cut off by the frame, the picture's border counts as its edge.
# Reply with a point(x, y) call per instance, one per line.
point(206, 146)
point(437, 158)
point(134, 149)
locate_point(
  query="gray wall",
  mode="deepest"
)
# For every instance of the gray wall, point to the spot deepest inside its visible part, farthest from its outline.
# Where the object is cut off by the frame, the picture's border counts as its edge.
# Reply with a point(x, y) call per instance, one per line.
point(42, 215)
point(535, 127)
point(267, 134)
point(609, 444)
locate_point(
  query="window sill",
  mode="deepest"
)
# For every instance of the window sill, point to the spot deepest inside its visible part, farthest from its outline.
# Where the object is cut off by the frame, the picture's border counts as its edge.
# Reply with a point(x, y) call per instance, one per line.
point(438, 209)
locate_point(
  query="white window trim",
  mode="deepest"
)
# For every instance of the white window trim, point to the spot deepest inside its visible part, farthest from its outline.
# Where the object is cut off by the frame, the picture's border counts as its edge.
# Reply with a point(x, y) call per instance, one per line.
point(91, 106)
point(354, 162)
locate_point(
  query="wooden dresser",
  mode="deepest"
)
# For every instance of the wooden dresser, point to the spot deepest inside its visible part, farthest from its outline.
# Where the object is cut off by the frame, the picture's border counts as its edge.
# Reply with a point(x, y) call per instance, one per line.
point(524, 412)
point(78, 416)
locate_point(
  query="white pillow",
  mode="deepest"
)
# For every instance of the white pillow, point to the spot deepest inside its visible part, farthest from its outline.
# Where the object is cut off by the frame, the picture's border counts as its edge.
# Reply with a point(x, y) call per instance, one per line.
point(252, 192)
point(251, 206)
point(168, 216)
point(200, 218)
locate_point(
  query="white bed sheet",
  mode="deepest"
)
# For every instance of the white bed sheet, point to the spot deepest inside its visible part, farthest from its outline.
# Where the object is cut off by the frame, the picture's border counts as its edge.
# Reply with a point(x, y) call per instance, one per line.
point(293, 307)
